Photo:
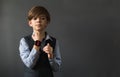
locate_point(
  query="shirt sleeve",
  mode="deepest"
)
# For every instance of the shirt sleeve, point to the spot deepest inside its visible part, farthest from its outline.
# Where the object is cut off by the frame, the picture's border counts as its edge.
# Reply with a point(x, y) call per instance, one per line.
point(56, 61)
point(28, 57)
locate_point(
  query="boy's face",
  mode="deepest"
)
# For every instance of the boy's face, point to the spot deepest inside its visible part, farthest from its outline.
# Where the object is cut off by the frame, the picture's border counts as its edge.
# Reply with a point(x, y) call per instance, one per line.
point(39, 23)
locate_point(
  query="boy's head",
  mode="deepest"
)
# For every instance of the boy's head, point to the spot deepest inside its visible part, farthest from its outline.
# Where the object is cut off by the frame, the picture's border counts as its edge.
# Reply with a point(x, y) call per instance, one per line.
point(36, 11)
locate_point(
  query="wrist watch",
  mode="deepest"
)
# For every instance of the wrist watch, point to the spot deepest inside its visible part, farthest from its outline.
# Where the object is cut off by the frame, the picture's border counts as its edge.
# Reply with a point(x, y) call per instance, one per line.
point(37, 43)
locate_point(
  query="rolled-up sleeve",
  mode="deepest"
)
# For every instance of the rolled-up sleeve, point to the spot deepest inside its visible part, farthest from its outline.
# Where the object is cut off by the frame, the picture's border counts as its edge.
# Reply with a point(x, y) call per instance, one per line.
point(28, 57)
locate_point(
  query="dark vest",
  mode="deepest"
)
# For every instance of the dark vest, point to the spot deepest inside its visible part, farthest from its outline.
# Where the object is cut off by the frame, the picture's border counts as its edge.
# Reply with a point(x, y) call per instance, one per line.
point(42, 67)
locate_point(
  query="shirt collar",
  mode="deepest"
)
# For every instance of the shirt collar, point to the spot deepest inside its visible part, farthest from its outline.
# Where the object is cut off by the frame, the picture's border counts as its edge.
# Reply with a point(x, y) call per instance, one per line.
point(47, 36)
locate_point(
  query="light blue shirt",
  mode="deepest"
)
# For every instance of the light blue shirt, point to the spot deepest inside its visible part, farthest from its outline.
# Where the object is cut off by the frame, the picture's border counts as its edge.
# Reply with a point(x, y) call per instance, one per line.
point(29, 58)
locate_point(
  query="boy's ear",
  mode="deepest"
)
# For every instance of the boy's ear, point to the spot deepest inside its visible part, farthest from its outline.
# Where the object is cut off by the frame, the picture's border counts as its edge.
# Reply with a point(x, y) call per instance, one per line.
point(29, 23)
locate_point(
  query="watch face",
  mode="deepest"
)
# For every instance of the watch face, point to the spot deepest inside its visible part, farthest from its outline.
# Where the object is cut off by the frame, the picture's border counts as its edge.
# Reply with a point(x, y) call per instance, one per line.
point(37, 43)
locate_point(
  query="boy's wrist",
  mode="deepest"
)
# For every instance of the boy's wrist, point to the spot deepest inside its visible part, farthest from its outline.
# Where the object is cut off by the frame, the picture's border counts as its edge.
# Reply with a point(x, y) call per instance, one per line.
point(50, 56)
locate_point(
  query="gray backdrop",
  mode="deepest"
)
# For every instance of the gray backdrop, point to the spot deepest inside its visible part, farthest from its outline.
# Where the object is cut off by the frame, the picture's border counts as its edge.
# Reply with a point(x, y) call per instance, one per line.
point(88, 32)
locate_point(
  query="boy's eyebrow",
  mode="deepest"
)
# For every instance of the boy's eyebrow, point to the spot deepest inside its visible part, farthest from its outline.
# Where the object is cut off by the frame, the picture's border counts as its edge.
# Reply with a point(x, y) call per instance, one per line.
point(39, 16)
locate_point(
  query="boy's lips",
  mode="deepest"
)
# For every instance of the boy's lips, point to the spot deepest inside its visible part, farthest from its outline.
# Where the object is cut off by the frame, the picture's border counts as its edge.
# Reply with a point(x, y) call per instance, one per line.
point(38, 24)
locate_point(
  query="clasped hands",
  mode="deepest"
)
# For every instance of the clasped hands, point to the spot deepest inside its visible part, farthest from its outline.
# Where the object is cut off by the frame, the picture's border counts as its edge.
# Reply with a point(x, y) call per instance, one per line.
point(49, 50)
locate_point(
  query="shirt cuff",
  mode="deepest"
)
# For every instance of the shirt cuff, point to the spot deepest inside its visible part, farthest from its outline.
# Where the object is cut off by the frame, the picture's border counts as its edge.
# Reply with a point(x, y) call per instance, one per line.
point(51, 61)
point(35, 52)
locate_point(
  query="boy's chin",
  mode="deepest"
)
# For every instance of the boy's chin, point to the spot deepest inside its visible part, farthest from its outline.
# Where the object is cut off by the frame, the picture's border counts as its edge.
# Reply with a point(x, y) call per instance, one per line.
point(39, 30)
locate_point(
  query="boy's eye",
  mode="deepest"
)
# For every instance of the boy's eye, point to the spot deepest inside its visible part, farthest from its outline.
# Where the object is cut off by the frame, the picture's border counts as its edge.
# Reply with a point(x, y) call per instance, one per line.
point(34, 18)
point(42, 18)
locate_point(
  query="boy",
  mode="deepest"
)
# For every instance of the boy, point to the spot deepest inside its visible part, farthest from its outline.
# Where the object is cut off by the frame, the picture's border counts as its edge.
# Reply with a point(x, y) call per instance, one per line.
point(39, 51)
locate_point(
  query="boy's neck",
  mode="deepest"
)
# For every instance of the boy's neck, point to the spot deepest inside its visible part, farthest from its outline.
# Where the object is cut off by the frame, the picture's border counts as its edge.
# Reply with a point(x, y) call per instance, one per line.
point(41, 33)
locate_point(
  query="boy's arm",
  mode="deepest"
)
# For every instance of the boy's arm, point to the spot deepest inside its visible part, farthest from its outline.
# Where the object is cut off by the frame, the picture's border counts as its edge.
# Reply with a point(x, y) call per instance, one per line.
point(56, 60)
point(28, 57)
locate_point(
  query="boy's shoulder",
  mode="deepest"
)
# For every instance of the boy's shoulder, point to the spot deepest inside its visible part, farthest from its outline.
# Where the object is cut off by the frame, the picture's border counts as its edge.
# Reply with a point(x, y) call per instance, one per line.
point(27, 37)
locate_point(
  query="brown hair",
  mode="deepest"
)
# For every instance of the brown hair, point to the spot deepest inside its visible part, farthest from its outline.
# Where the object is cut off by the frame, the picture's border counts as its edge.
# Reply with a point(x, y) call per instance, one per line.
point(36, 11)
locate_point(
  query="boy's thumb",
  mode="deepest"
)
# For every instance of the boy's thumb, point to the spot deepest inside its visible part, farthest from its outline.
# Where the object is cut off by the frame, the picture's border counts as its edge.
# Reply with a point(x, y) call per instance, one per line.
point(48, 44)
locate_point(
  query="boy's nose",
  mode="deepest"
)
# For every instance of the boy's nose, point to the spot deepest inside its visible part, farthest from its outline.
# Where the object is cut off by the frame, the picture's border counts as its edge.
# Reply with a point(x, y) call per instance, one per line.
point(38, 19)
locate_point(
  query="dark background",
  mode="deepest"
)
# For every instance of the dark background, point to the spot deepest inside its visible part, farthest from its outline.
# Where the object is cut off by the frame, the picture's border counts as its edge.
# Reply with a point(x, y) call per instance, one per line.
point(88, 32)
